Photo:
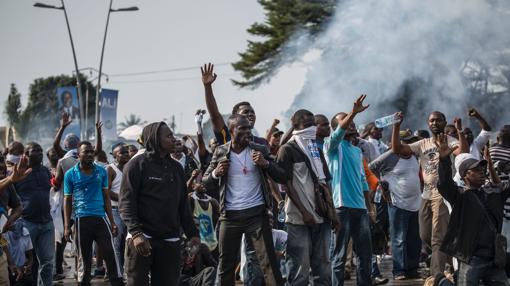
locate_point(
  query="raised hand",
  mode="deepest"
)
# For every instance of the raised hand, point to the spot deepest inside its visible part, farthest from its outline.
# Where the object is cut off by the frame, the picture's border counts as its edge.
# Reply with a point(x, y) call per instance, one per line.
point(65, 120)
point(208, 75)
point(458, 123)
point(400, 116)
point(99, 126)
point(20, 170)
point(443, 147)
point(358, 104)
point(473, 113)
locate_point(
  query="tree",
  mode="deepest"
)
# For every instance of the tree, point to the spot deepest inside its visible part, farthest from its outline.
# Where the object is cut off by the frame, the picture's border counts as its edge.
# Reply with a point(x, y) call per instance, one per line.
point(283, 19)
point(130, 120)
point(13, 108)
point(39, 119)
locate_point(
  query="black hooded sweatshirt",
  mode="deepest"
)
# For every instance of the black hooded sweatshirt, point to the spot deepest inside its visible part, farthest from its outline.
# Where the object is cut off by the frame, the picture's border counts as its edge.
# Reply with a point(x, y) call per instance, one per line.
point(152, 198)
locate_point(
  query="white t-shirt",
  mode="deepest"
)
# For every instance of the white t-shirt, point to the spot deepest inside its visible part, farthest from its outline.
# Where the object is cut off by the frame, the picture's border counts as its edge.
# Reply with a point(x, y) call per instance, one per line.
point(404, 184)
point(244, 185)
point(380, 147)
point(117, 182)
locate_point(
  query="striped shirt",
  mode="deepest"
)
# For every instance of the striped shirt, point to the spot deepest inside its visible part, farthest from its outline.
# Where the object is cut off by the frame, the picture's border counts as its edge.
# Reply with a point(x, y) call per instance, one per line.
point(500, 155)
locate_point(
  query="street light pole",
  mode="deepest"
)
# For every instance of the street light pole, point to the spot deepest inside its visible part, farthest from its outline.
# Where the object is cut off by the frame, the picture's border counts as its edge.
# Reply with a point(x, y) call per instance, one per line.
point(98, 90)
point(78, 84)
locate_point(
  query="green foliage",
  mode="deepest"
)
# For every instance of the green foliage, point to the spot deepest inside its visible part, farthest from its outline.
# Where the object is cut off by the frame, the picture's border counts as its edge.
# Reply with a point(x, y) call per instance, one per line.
point(13, 106)
point(39, 118)
point(283, 19)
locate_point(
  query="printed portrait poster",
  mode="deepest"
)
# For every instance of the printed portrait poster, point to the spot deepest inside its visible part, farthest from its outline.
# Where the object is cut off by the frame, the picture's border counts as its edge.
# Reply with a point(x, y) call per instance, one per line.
point(68, 102)
point(108, 113)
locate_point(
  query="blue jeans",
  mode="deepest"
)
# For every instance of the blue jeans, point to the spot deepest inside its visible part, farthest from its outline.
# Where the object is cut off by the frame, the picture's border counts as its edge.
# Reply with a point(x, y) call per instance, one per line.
point(355, 224)
point(405, 241)
point(307, 247)
point(481, 269)
point(119, 241)
point(43, 240)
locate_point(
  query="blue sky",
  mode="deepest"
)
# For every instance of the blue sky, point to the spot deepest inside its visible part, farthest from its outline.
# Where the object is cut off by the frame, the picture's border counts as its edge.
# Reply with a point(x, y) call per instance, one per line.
point(163, 34)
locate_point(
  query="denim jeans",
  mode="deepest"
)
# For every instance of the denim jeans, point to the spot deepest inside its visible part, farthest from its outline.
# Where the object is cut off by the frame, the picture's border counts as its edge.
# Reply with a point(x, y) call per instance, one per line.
point(119, 241)
point(308, 247)
point(481, 269)
point(405, 241)
point(355, 224)
point(43, 240)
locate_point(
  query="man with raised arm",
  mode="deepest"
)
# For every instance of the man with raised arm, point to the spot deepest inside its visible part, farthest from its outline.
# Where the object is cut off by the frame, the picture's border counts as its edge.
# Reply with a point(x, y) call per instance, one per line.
point(221, 131)
point(239, 169)
point(433, 211)
point(350, 195)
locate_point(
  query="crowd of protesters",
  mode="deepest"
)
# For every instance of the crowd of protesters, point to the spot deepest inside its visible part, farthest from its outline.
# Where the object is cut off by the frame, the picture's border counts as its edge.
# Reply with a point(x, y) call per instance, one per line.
point(315, 205)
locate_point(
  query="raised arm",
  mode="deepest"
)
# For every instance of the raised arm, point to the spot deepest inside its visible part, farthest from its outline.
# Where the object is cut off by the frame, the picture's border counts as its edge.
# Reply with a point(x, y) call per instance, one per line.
point(490, 165)
point(64, 122)
point(19, 172)
point(208, 77)
point(446, 186)
point(271, 129)
point(345, 123)
point(463, 144)
point(483, 123)
point(99, 139)
point(397, 146)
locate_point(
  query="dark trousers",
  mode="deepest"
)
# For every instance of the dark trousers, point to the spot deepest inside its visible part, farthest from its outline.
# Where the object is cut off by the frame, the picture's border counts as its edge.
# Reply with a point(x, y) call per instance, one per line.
point(88, 230)
point(164, 264)
point(59, 256)
point(254, 224)
point(354, 224)
point(481, 269)
point(405, 241)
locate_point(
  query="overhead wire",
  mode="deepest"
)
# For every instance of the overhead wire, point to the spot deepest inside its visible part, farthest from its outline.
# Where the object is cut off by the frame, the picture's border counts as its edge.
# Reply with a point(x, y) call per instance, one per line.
point(164, 70)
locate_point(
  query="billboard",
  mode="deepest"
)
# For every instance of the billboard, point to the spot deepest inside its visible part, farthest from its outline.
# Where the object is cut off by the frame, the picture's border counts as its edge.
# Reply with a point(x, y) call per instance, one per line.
point(67, 97)
point(108, 113)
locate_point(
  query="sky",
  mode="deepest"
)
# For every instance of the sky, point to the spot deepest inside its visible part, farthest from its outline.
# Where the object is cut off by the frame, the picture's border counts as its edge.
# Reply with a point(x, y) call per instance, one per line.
point(162, 35)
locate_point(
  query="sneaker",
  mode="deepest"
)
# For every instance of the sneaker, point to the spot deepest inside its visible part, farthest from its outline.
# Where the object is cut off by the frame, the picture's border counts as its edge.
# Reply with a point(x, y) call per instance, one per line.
point(380, 281)
point(400, 277)
point(99, 271)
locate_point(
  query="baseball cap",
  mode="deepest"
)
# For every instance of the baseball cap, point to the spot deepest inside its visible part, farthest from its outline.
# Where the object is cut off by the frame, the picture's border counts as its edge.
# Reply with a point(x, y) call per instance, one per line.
point(465, 162)
point(406, 135)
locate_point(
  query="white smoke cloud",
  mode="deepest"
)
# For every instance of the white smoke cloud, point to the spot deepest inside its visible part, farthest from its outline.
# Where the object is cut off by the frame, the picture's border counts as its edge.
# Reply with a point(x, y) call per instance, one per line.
point(437, 47)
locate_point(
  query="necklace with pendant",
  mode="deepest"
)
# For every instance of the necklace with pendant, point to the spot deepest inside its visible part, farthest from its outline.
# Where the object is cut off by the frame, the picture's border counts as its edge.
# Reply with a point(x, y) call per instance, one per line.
point(245, 168)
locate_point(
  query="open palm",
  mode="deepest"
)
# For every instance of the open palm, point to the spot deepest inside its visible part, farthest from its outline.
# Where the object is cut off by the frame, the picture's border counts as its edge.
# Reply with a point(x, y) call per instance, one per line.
point(208, 75)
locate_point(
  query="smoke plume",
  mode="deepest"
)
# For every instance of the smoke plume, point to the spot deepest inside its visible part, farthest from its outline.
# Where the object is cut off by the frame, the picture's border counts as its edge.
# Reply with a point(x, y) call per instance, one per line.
point(414, 56)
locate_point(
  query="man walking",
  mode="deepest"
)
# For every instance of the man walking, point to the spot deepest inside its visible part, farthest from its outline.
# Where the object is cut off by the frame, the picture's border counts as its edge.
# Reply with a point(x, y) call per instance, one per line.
point(350, 195)
point(86, 192)
point(34, 192)
point(154, 206)
point(120, 152)
point(304, 173)
point(433, 211)
point(239, 170)
point(400, 184)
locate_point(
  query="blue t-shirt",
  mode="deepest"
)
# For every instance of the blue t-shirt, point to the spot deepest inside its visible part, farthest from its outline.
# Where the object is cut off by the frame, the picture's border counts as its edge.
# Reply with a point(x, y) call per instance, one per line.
point(87, 190)
point(345, 162)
